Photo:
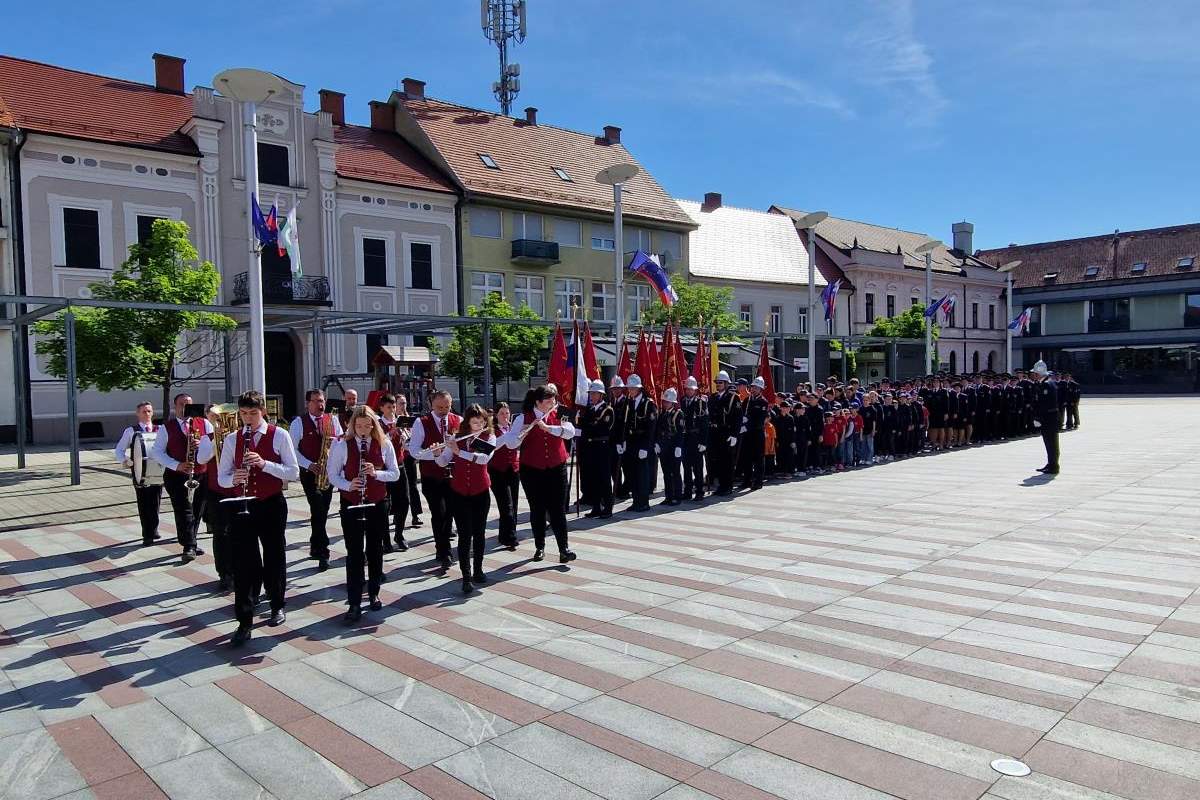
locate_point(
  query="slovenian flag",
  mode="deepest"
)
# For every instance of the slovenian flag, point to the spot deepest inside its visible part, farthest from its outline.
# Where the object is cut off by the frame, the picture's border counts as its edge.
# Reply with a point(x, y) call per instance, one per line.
point(1021, 323)
point(829, 298)
point(933, 308)
point(266, 228)
point(948, 307)
point(652, 271)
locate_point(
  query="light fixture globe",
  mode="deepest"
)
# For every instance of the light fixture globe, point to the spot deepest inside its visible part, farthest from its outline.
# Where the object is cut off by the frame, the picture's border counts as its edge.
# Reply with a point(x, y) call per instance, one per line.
point(927, 246)
point(248, 85)
point(617, 173)
point(811, 220)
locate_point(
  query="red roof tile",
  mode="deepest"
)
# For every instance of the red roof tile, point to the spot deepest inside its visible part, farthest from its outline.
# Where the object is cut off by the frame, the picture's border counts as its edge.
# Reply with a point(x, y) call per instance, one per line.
point(382, 157)
point(1115, 254)
point(527, 155)
point(49, 99)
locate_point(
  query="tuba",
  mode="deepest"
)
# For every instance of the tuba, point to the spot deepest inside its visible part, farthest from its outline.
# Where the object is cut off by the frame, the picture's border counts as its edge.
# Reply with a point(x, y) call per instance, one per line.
point(322, 476)
point(227, 422)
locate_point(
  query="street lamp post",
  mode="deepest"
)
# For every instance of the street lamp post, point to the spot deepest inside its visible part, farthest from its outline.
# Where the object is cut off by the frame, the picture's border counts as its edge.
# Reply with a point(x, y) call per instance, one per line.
point(251, 87)
point(616, 176)
point(926, 249)
point(809, 223)
point(1007, 269)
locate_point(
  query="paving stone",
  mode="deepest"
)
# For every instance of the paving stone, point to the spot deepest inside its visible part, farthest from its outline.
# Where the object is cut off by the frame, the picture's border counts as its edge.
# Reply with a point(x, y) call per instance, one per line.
point(33, 767)
point(287, 768)
point(214, 714)
point(502, 775)
point(204, 776)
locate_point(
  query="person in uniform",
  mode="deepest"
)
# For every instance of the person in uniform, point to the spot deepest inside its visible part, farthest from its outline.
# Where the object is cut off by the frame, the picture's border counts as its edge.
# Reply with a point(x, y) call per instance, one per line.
point(668, 445)
point(362, 464)
point(596, 424)
point(724, 419)
point(1046, 415)
point(469, 484)
point(785, 437)
point(257, 460)
point(504, 472)
point(620, 406)
point(171, 449)
point(149, 498)
point(754, 419)
point(409, 464)
point(429, 436)
point(642, 415)
point(309, 432)
point(1073, 395)
point(695, 440)
point(397, 490)
point(216, 513)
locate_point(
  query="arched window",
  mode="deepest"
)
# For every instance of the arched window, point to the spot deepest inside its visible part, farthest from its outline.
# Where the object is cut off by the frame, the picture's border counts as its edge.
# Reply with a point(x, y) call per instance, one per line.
point(992, 361)
point(975, 361)
point(953, 361)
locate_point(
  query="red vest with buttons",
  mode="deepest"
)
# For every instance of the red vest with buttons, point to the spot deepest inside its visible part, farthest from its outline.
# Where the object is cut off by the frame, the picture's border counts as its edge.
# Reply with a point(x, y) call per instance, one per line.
point(376, 490)
point(430, 470)
point(469, 478)
point(310, 439)
point(177, 443)
point(505, 459)
point(540, 449)
point(261, 484)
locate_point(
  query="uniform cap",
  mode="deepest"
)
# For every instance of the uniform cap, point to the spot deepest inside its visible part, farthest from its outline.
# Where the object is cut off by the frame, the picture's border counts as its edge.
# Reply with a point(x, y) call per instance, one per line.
point(596, 386)
point(690, 383)
point(634, 382)
point(617, 383)
point(759, 382)
point(1040, 368)
point(670, 396)
point(743, 382)
point(722, 377)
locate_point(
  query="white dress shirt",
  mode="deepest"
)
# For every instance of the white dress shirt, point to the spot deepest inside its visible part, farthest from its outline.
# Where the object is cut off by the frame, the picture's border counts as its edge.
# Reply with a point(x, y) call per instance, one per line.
point(511, 440)
point(121, 451)
point(337, 462)
point(159, 453)
point(286, 469)
point(417, 441)
point(296, 430)
point(466, 454)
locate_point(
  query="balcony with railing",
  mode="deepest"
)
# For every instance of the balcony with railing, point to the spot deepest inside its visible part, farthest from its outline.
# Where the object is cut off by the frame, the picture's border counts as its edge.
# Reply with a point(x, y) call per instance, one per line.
point(534, 252)
point(284, 290)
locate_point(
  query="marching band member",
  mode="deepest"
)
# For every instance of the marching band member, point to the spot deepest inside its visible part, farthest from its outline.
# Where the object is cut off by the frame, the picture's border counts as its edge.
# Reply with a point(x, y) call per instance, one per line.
point(149, 498)
point(397, 490)
point(362, 465)
point(216, 513)
point(504, 471)
point(541, 437)
point(350, 401)
point(469, 484)
point(310, 432)
point(428, 437)
point(257, 460)
point(171, 451)
point(596, 424)
point(410, 465)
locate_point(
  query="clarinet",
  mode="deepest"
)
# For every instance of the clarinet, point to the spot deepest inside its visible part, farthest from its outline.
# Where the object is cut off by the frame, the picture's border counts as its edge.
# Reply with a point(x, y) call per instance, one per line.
point(247, 444)
point(363, 454)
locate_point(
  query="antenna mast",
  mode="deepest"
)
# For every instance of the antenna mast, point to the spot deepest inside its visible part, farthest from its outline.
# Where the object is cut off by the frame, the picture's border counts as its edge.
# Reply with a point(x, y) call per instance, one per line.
point(503, 20)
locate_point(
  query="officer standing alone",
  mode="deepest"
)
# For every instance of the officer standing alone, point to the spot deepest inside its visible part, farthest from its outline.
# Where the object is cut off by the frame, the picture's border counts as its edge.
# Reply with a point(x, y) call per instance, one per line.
point(1045, 415)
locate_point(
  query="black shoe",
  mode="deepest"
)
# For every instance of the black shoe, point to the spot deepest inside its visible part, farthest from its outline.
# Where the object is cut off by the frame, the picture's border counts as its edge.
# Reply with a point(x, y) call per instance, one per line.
point(479, 577)
point(416, 522)
point(539, 554)
point(323, 565)
point(387, 546)
point(1042, 469)
point(666, 503)
point(467, 587)
point(156, 536)
point(277, 618)
point(565, 556)
point(592, 514)
point(240, 636)
point(1050, 471)
point(198, 551)
point(224, 584)
point(445, 562)
point(189, 555)
point(353, 615)
point(147, 543)
point(401, 545)
point(606, 515)
point(375, 604)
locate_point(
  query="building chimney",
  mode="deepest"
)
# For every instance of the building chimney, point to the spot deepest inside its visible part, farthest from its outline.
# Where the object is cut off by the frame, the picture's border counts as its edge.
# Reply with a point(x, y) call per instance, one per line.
point(168, 73)
point(335, 104)
point(963, 234)
point(612, 134)
point(712, 201)
point(531, 116)
point(383, 116)
point(414, 89)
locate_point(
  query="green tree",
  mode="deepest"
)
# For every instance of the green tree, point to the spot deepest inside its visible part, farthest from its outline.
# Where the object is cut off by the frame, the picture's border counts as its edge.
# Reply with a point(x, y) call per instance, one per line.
point(124, 349)
point(515, 348)
point(698, 304)
point(850, 354)
point(909, 325)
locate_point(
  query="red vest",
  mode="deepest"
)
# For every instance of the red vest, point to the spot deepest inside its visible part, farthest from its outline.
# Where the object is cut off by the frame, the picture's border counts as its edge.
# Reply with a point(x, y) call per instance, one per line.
point(540, 450)
point(177, 444)
point(430, 470)
point(469, 478)
point(376, 490)
point(388, 428)
point(505, 459)
point(310, 440)
point(261, 485)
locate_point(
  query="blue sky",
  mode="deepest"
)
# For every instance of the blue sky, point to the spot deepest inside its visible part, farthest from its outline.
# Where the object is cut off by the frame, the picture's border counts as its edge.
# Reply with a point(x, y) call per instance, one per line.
point(1034, 119)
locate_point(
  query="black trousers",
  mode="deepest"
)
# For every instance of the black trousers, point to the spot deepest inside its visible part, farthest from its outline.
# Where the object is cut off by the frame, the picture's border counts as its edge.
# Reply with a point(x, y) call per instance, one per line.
point(397, 505)
point(722, 457)
point(595, 475)
point(470, 518)
point(188, 508)
point(544, 491)
point(671, 474)
point(693, 470)
point(358, 535)
point(438, 496)
point(616, 468)
point(800, 463)
point(318, 509)
point(149, 499)
point(1050, 440)
point(216, 514)
point(254, 568)
point(410, 479)
point(506, 488)
point(1073, 415)
point(752, 458)
point(638, 472)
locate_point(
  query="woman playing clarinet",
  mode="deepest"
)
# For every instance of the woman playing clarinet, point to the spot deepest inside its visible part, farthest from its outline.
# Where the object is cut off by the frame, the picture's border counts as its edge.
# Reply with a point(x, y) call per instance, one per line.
point(504, 470)
point(467, 454)
point(541, 438)
point(360, 465)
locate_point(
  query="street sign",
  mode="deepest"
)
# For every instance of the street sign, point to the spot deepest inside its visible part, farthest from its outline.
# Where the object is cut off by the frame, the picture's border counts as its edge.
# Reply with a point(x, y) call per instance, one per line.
point(800, 364)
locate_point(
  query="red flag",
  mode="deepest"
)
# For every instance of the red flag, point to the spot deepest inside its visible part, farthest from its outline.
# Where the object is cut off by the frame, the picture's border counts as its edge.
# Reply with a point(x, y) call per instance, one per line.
point(764, 371)
point(641, 359)
point(624, 362)
point(558, 372)
point(648, 377)
point(664, 365)
point(589, 354)
point(680, 371)
point(700, 362)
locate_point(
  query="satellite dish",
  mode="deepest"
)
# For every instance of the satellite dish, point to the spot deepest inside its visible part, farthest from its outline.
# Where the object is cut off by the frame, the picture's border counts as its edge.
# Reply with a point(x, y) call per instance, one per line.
point(617, 173)
point(248, 85)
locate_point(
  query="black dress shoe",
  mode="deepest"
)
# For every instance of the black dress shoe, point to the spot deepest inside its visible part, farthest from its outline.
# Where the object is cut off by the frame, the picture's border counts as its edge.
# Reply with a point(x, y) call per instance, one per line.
point(224, 584)
point(353, 615)
point(277, 618)
point(566, 556)
point(401, 545)
point(156, 536)
point(539, 554)
point(416, 522)
point(467, 587)
point(188, 555)
point(445, 562)
point(375, 604)
point(241, 636)
point(147, 543)
point(1050, 471)
point(1041, 469)
point(198, 551)
point(479, 577)
point(323, 565)
point(592, 514)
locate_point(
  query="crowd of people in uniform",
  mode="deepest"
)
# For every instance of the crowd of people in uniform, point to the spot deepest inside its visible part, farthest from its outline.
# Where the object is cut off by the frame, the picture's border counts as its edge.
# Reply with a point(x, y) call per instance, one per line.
point(625, 443)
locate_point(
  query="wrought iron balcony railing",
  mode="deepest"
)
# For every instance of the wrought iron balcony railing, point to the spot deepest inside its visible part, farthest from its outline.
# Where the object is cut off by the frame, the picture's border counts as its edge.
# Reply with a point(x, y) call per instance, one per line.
point(284, 289)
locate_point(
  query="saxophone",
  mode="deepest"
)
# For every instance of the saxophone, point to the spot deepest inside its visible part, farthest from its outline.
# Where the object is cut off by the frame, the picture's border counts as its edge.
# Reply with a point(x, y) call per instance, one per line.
point(322, 476)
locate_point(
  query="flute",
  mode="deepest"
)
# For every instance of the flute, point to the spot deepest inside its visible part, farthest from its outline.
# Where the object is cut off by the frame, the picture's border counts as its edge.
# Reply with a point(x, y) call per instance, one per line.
point(532, 423)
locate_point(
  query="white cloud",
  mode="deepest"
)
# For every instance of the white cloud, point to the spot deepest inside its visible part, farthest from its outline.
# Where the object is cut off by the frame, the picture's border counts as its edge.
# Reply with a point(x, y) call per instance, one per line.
point(790, 91)
point(887, 54)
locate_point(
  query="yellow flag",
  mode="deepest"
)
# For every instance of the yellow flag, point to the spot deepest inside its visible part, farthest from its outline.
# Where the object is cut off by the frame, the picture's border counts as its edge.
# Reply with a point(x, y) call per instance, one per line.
point(714, 365)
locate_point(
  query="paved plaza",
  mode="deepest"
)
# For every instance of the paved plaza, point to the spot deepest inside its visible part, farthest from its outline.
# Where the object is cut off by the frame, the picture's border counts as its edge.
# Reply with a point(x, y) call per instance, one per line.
point(887, 632)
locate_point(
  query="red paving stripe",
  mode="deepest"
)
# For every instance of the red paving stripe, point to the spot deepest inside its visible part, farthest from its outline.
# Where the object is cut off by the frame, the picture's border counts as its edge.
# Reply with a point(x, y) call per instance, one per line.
point(346, 750)
point(811, 685)
point(398, 660)
point(1018, 660)
point(269, 702)
point(660, 643)
point(1095, 611)
point(111, 683)
point(1120, 576)
point(484, 641)
point(722, 566)
point(1128, 595)
point(931, 586)
point(91, 750)
point(1160, 670)
point(565, 668)
point(508, 587)
point(192, 575)
point(980, 575)
point(709, 713)
point(134, 786)
point(726, 590)
point(115, 609)
point(863, 629)
point(878, 769)
point(439, 785)
point(1179, 628)
point(1136, 722)
point(623, 546)
point(299, 640)
point(595, 598)
point(919, 602)
point(725, 787)
point(554, 615)
point(851, 654)
point(514, 709)
point(1122, 778)
point(692, 621)
point(18, 551)
point(621, 745)
point(1065, 627)
point(566, 577)
point(97, 538)
point(1010, 691)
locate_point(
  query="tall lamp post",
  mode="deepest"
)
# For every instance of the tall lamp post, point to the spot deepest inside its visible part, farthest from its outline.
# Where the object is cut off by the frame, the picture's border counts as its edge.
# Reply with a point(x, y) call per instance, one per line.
point(926, 249)
point(616, 176)
point(809, 223)
point(251, 87)
point(1007, 269)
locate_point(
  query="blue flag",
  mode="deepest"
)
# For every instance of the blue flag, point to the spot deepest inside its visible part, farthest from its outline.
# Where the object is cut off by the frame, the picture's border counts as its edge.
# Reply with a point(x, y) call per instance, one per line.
point(266, 228)
point(652, 271)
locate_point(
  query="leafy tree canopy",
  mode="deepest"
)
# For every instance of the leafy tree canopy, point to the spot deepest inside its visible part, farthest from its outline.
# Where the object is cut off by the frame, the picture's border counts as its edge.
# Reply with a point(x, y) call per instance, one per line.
point(699, 304)
point(515, 348)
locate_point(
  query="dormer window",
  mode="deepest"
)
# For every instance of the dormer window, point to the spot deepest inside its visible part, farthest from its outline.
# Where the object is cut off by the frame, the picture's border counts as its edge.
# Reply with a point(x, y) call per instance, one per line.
point(488, 161)
point(1091, 272)
point(562, 174)
point(1139, 268)
point(1050, 277)
point(1185, 263)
